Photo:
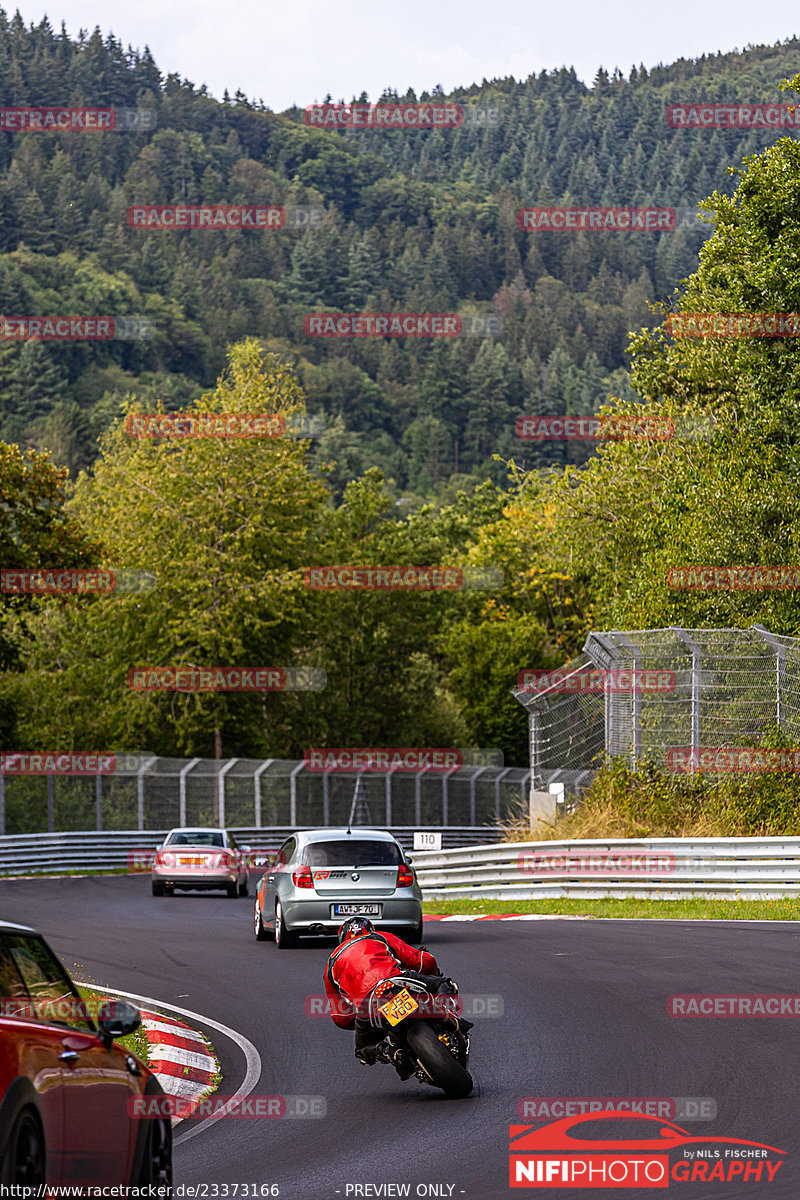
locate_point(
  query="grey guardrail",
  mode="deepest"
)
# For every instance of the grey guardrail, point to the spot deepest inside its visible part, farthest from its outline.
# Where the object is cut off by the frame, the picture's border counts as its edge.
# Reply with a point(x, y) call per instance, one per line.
point(120, 850)
point(653, 868)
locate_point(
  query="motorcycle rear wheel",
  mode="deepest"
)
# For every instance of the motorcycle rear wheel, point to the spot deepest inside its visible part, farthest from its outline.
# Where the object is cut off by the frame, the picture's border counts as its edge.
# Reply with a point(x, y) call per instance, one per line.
point(445, 1070)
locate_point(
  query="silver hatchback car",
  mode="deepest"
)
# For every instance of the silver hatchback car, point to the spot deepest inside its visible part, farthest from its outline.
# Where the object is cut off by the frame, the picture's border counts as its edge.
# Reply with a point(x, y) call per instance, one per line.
point(323, 876)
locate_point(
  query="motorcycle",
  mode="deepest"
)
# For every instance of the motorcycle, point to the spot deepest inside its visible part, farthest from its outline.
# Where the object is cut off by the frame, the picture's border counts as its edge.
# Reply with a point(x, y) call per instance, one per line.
point(420, 1014)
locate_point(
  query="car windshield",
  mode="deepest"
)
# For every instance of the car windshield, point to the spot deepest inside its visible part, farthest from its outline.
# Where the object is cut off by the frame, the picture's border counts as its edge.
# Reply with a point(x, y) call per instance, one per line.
point(352, 853)
point(200, 837)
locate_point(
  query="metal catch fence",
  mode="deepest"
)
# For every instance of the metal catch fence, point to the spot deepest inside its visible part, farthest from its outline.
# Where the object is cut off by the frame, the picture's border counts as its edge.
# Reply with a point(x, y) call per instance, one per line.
point(150, 793)
point(642, 694)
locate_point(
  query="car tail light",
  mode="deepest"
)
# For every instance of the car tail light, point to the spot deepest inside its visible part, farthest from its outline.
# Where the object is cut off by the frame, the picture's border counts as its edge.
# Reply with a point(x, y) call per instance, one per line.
point(405, 876)
point(302, 877)
point(163, 859)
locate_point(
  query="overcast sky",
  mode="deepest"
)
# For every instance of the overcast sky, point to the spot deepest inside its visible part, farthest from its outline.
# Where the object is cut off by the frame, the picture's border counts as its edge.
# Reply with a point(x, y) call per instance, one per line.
point(299, 50)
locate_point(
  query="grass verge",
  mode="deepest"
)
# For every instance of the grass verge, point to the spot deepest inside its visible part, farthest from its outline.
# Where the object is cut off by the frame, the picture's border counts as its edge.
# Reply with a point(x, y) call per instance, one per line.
point(135, 1042)
point(707, 910)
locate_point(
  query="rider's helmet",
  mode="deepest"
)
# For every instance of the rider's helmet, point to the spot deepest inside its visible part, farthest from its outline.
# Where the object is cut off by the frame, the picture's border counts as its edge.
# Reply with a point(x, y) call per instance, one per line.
point(354, 927)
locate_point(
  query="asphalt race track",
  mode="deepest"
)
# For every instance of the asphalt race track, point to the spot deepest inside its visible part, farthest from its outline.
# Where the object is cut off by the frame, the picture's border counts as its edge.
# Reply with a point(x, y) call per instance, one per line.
point(584, 1015)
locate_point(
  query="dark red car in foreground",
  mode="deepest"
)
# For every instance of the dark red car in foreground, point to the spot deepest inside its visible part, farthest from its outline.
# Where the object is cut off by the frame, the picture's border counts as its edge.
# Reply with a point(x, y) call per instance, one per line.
point(65, 1087)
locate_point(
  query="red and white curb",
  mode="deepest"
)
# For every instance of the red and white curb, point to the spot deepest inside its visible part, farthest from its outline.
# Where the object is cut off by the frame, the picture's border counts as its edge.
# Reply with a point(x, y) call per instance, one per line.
point(504, 917)
point(179, 1057)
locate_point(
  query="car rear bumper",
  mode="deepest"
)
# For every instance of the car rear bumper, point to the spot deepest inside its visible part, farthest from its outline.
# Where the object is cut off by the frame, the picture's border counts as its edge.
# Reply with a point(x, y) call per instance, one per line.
point(189, 879)
point(300, 915)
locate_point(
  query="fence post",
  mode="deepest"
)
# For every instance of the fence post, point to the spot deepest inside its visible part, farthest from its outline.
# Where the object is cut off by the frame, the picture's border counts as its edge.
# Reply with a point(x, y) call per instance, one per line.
point(696, 672)
point(221, 789)
point(293, 794)
point(50, 804)
point(497, 781)
point(636, 701)
point(780, 668)
point(257, 789)
point(534, 738)
point(472, 783)
point(2, 803)
point(140, 790)
point(184, 771)
point(446, 797)
point(326, 799)
point(418, 795)
point(388, 789)
point(98, 802)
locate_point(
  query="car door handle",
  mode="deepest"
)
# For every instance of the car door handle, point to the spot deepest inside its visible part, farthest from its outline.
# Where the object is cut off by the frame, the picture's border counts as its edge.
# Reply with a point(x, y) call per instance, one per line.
point(69, 1056)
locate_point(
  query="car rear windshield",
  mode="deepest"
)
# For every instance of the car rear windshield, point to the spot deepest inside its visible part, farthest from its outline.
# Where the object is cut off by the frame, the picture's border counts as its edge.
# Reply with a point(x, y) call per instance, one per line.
point(351, 853)
point(204, 837)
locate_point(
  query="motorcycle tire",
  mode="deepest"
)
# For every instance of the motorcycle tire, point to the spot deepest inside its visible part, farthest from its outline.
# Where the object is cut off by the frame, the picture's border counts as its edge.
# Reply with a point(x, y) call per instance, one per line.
point(445, 1070)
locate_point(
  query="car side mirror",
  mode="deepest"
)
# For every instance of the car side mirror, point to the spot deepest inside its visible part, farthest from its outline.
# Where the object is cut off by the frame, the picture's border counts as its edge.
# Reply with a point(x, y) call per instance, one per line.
point(409, 859)
point(245, 849)
point(118, 1018)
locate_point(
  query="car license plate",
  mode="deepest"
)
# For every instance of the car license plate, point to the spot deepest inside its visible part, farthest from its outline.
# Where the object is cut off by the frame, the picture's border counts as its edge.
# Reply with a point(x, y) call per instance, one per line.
point(356, 910)
point(191, 862)
point(399, 1007)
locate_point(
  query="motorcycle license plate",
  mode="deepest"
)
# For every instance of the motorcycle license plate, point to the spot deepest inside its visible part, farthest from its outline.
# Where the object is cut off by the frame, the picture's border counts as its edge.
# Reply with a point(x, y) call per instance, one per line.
point(399, 1007)
point(356, 910)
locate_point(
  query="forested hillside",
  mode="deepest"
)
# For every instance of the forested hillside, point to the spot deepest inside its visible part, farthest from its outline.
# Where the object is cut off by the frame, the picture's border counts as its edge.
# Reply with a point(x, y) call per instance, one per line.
point(414, 466)
point(416, 221)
